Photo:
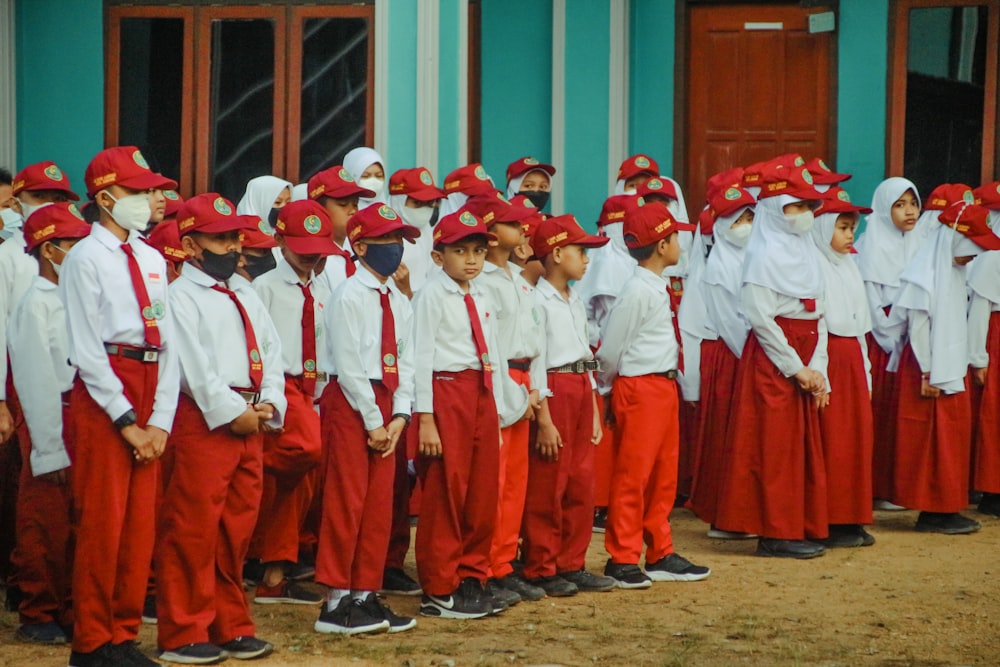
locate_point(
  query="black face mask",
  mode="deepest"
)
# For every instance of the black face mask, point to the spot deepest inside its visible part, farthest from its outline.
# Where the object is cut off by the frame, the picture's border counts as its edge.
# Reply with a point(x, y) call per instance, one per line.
point(257, 266)
point(434, 216)
point(537, 197)
point(221, 267)
point(272, 217)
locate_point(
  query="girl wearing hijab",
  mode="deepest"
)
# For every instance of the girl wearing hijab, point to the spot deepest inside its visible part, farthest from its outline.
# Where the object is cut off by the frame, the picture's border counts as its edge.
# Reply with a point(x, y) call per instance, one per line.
point(367, 168)
point(846, 424)
point(774, 482)
point(529, 177)
point(264, 197)
point(933, 424)
point(884, 249)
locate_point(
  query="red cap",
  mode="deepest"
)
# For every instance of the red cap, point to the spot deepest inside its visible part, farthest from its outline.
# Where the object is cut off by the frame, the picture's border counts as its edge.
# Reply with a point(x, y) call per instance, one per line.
point(337, 183)
point(778, 179)
point(789, 160)
point(949, 193)
point(497, 209)
point(374, 221)
point(124, 166)
point(613, 209)
point(252, 235)
point(657, 186)
point(562, 230)
point(823, 175)
point(530, 222)
point(59, 220)
point(306, 228)
point(706, 221)
point(988, 195)
point(526, 164)
point(417, 183)
point(209, 213)
point(460, 225)
point(973, 222)
point(42, 176)
point(470, 179)
point(638, 164)
point(752, 174)
point(836, 200)
point(174, 202)
point(724, 179)
point(166, 238)
point(646, 224)
point(727, 201)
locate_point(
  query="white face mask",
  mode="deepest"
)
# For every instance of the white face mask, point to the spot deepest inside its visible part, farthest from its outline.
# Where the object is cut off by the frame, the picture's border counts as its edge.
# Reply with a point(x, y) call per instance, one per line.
point(630, 191)
point(372, 183)
point(131, 212)
point(11, 221)
point(57, 267)
point(739, 235)
point(418, 217)
point(801, 223)
point(31, 208)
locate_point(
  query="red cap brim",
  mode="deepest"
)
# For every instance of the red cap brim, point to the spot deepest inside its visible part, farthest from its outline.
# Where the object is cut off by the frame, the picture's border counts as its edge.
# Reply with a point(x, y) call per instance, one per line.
point(313, 245)
point(148, 181)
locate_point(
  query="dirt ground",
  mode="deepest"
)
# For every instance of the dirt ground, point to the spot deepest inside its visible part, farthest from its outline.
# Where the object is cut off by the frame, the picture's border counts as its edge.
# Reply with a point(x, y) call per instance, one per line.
point(911, 599)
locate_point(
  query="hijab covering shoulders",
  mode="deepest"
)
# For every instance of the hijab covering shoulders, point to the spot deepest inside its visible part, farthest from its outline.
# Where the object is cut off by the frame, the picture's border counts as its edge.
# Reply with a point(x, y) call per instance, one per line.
point(846, 311)
point(777, 257)
point(984, 271)
point(883, 250)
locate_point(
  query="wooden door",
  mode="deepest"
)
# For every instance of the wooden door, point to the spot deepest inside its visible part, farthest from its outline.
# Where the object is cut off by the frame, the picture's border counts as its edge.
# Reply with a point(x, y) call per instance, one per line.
point(758, 84)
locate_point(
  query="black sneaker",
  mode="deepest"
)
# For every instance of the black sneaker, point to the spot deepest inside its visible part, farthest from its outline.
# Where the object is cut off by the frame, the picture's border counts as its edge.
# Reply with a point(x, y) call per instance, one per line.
point(300, 572)
point(627, 575)
point(395, 580)
point(129, 654)
point(103, 656)
point(947, 523)
point(989, 504)
point(378, 608)
point(12, 601)
point(246, 648)
point(42, 633)
point(801, 549)
point(149, 610)
point(466, 601)
point(600, 519)
point(503, 598)
point(514, 582)
point(253, 572)
point(286, 592)
point(349, 617)
point(589, 583)
point(843, 536)
point(674, 567)
point(554, 586)
point(194, 654)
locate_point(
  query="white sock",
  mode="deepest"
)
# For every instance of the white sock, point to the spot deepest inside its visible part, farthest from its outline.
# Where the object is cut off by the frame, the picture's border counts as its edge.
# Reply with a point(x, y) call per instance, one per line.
point(334, 596)
point(360, 596)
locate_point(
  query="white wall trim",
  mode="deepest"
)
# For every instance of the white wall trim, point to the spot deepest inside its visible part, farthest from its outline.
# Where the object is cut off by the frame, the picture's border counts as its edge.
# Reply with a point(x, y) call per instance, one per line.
point(463, 78)
point(428, 78)
point(618, 87)
point(558, 103)
point(8, 88)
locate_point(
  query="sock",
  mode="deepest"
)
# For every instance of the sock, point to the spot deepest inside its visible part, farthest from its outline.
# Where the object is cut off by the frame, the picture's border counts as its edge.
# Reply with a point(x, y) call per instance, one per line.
point(334, 596)
point(360, 596)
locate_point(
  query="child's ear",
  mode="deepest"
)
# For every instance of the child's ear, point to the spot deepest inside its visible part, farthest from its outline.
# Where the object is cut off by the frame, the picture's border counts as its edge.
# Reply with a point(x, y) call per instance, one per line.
point(360, 248)
point(437, 257)
point(557, 255)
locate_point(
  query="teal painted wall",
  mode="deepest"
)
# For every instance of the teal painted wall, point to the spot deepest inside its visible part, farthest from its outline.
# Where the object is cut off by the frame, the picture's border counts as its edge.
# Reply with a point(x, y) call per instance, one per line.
point(400, 150)
point(60, 84)
point(861, 98)
point(449, 87)
point(516, 86)
point(651, 81)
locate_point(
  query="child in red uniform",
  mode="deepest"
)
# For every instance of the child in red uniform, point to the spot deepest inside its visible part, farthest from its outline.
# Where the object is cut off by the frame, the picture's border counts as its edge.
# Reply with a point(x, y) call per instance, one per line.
point(639, 354)
point(366, 409)
point(338, 193)
point(459, 390)
point(232, 389)
point(38, 350)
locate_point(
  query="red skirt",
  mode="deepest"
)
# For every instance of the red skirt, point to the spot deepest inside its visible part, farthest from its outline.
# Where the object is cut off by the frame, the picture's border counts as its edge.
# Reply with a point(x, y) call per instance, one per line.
point(933, 445)
point(885, 405)
point(846, 427)
point(986, 419)
point(774, 483)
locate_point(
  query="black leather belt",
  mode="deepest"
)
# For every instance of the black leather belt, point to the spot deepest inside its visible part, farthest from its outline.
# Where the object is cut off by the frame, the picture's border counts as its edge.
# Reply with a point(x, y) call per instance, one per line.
point(519, 364)
point(577, 367)
point(143, 354)
point(670, 375)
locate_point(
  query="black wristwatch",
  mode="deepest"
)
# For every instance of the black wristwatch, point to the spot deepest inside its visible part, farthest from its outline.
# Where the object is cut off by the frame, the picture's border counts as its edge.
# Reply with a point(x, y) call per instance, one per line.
point(126, 419)
point(402, 415)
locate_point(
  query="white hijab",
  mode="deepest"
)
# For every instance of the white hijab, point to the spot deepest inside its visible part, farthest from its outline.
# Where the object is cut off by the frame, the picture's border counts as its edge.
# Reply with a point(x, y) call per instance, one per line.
point(356, 161)
point(984, 272)
point(883, 250)
point(777, 257)
point(514, 184)
point(846, 303)
point(724, 266)
point(260, 195)
point(300, 192)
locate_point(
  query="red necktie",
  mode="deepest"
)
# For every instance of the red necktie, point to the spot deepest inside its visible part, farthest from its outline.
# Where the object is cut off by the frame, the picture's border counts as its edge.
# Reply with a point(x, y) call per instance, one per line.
point(253, 352)
point(152, 328)
point(349, 266)
point(677, 326)
point(480, 340)
point(308, 341)
point(390, 366)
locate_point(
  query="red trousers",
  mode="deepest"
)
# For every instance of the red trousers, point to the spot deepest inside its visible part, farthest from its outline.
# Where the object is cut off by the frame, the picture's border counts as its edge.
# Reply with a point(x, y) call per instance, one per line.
point(687, 415)
point(207, 515)
point(289, 458)
point(986, 443)
point(354, 533)
point(846, 427)
point(559, 510)
point(513, 479)
point(10, 472)
point(402, 490)
point(645, 479)
point(460, 488)
point(43, 555)
point(774, 482)
point(114, 502)
point(712, 447)
point(933, 445)
point(885, 406)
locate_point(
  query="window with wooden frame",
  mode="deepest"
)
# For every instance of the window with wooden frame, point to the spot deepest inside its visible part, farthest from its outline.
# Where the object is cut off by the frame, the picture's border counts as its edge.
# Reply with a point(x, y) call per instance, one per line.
point(943, 91)
point(216, 94)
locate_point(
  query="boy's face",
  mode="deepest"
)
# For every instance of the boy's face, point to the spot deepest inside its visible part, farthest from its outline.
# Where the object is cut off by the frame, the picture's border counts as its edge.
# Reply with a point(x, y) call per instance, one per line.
point(632, 183)
point(157, 205)
point(340, 211)
point(510, 235)
point(905, 212)
point(303, 264)
point(220, 244)
point(673, 249)
point(7, 198)
point(843, 233)
point(462, 261)
point(572, 260)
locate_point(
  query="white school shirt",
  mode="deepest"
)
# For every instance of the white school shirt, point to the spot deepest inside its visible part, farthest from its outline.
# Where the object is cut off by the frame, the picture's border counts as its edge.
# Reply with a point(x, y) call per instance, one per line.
point(212, 347)
point(282, 296)
point(36, 338)
point(565, 339)
point(335, 270)
point(881, 297)
point(724, 317)
point(516, 319)
point(760, 306)
point(17, 270)
point(355, 313)
point(101, 307)
point(638, 336)
point(609, 268)
point(442, 341)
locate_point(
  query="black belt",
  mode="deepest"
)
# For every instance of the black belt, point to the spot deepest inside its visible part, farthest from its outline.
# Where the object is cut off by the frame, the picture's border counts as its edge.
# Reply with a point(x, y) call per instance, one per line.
point(577, 367)
point(519, 364)
point(143, 354)
point(670, 375)
point(374, 381)
point(321, 376)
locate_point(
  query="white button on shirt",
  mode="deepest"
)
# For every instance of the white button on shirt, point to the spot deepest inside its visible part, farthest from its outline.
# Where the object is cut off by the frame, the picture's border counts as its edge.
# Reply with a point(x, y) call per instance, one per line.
point(101, 307)
point(17, 269)
point(566, 339)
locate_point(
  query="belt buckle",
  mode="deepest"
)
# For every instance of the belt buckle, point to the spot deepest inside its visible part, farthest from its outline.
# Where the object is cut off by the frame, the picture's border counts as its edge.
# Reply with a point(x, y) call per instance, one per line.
point(321, 376)
point(578, 367)
point(150, 356)
point(250, 397)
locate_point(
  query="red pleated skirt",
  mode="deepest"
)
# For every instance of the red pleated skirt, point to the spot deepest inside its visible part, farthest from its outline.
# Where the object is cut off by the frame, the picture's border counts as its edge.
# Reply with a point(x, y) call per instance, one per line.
point(885, 405)
point(986, 419)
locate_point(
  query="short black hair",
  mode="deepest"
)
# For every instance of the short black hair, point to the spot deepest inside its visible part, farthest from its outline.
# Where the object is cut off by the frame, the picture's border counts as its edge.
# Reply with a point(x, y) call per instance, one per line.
point(439, 247)
point(36, 252)
point(5, 177)
point(643, 253)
